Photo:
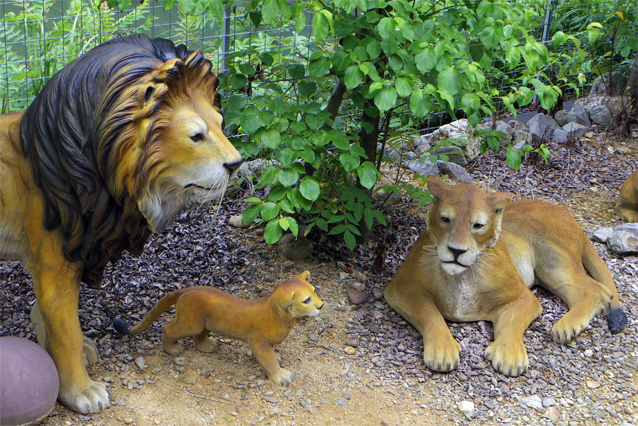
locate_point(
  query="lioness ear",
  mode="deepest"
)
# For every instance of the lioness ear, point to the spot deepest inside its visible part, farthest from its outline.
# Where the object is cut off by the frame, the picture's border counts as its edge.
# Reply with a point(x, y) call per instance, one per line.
point(500, 200)
point(437, 188)
point(290, 303)
point(303, 276)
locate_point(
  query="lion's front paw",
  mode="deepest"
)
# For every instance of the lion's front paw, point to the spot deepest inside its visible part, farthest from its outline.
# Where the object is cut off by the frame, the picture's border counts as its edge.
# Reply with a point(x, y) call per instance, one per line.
point(283, 377)
point(91, 354)
point(91, 398)
point(509, 358)
point(578, 317)
point(207, 345)
point(441, 355)
point(173, 349)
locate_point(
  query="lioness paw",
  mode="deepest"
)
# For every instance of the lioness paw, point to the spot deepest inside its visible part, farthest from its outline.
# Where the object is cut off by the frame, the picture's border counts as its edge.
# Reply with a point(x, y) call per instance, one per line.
point(442, 356)
point(93, 398)
point(509, 358)
point(283, 377)
point(91, 354)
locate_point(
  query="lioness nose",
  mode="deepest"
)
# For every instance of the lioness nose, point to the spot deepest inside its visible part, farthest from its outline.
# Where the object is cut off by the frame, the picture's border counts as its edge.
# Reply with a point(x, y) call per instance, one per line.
point(320, 306)
point(233, 166)
point(456, 252)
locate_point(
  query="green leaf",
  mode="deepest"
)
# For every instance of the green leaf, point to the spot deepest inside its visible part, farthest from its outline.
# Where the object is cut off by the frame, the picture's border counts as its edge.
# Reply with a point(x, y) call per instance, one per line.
point(374, 50)
point(339, 139)
point(271, 138)
point(270, 11)
point(385, 98)
point(266, 117)
point(353, 77)
point(319, 67)
point(187, 6)
point(320, 27)
point(296, 71)
point(269, 176)
point(470, 103)
point(283, 222)
point(310, 189)
point(404, 86)
point(286, 206)
point(300, 22)
point(168, 4)
point(491, 36)
point(386, 27)
point(513, 158)
point(251, 213)
point(273, 232)
point(367, 175)
point(369, 217)
point(338, 229)
point(322, 224)
point(350, 240)
point(377, 214)
point(250, 123)
point(315, 121)
point(349, 161)
point(426, 60)
point(358, 212)
point(288, 177)
point(450, 79)
point(269, 211)
point(420, 104)
point(287, 156)
point(236, 102)
point(307, 88)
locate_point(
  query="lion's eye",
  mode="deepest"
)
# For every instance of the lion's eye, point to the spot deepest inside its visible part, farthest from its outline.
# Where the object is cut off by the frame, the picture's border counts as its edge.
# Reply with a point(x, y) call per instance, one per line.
point(197, 137)
point(445, 219)
point(478, 225)
point(307, 300)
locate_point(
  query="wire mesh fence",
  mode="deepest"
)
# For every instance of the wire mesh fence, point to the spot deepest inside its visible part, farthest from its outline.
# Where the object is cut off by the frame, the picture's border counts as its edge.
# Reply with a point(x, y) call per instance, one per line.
point(37, 38)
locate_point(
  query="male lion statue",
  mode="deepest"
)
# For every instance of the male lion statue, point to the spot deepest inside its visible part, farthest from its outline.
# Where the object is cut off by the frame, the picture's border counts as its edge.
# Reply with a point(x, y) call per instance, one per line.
point(627, 204)
point(477, 260)
point(110, 151)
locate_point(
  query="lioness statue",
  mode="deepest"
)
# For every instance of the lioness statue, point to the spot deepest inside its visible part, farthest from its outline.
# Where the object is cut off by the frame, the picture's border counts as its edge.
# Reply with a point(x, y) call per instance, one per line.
point(110, 151)
point(627, 204)
point(262, 323)
point(477, 260)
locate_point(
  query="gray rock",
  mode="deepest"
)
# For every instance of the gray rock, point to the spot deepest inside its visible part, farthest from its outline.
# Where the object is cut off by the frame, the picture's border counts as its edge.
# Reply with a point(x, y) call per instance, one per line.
point(454, 171)
point(140, 362)
point(623, 241)
point(561, 117)
point(560, 136)
point(421, 148)
point(601, 115)
point(518, 125)
point(460, 129)
point(392, 154)
point(603, 234)
point(521, 137)
point(454, 154)
point(357, 297)
point(466, 407)
point(292, 248)
point(542, 127)
point(579, 115)
point(423, 166)
point(533, 401)
point(235, 221)
point(602, 85)
point(548, 402)
point(577, 130)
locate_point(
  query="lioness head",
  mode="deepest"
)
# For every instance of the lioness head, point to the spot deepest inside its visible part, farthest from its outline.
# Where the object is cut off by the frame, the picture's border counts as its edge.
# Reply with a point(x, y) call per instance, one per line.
point(463, 221)
point(299, 297)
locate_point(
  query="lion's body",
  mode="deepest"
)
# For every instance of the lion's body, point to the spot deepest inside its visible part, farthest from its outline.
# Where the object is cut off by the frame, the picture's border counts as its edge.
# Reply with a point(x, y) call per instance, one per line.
point(262, 323)
point(102, 157)
point(458, 271)
point(627, 203)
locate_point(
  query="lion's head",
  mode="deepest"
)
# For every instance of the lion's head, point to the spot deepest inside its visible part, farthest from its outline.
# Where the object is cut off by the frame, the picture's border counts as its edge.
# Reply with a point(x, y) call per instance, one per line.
point(120, 140)
point(298, 297)
point(463, 222)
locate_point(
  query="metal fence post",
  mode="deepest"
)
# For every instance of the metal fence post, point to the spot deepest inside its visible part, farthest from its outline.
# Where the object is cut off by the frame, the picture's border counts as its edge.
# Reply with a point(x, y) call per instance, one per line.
point(226, 38)
point(546, 27)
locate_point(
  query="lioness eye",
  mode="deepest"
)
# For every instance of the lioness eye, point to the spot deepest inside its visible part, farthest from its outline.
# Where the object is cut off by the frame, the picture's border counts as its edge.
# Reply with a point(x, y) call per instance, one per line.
point(197, 137)
point(307, 301)
point(445, 219)
point(478, 225)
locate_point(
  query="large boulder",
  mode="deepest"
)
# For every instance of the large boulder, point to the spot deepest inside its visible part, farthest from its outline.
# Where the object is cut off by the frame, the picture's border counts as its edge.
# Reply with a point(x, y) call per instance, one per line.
point(576, 115)
point(542, 127)
point(602, 85)
point(602, 108)
point(460, 129)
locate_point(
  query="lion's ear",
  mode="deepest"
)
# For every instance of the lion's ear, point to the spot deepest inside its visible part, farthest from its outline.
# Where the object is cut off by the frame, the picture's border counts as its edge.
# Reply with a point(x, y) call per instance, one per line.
point(289, 302)
point(168, 70)
point(500, 200)
point(303, 276)
point(438, 189)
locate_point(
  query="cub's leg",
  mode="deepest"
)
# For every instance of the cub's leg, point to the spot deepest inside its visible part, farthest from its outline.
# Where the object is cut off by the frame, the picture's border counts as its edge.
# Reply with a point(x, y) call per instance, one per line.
point(441, 352)
point(266, 357)
point(584, 296)
point(185, 324)
point(204, 343)
point(507, 352)
point(57, 288)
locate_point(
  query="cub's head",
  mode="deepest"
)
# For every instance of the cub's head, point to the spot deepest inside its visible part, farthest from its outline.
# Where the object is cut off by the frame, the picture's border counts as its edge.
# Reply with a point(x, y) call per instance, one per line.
point(298, 297)
point(464, 221)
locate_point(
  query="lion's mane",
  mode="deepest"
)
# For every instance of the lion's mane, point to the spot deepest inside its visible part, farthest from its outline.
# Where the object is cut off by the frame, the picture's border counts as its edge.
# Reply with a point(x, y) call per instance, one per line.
point(86, 120)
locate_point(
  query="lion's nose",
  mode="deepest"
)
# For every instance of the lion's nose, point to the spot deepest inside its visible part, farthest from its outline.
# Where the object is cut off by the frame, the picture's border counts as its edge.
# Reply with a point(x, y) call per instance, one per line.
point(233, 166)
point(320, 306)
point(456, 252)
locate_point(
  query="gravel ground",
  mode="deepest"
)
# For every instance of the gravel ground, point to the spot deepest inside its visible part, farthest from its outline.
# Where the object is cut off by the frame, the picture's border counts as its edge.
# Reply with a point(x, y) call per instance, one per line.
point(367, 359)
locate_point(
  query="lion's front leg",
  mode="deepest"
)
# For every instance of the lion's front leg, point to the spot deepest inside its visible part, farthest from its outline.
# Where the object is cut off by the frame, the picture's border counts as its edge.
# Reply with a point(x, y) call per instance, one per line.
point(507, 352)
point(265, 355)
point(91, 353)
point(57, 288)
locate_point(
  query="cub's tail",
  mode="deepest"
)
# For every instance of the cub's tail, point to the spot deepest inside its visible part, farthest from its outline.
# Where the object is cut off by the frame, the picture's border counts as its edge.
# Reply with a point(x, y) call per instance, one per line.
point(617, 319)
point(160, 307)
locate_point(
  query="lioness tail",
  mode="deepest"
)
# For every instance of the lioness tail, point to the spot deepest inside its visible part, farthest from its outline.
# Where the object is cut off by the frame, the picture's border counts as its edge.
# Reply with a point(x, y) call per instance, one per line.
point(160, 307)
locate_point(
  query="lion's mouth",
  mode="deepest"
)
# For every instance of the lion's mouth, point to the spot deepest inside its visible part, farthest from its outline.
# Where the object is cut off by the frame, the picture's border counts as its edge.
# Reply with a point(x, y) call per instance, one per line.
point(203, 194)
point(454, 262)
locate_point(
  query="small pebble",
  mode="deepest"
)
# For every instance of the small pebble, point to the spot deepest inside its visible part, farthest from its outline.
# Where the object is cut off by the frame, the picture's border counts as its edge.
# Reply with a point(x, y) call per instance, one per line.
point(592, 384)
point(466, 407)
point(341, 402)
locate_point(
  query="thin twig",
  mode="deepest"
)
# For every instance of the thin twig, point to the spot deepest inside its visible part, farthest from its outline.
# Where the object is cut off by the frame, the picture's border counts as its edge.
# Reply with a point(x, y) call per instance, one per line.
point(187, 392)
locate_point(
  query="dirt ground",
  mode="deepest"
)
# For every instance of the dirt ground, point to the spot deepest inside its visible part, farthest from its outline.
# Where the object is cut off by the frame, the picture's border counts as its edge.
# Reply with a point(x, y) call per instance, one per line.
point(355, 364)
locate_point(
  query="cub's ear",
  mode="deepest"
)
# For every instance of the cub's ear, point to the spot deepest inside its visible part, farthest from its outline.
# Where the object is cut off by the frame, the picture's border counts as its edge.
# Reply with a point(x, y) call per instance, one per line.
point(288, 302)
point(303, 276)
point(500, 200)
point(439, 189)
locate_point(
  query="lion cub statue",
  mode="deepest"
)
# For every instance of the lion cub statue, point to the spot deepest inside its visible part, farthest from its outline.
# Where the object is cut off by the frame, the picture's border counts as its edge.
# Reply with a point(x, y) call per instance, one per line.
point(262, 323)
point(477, 261)
point(627, 204)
